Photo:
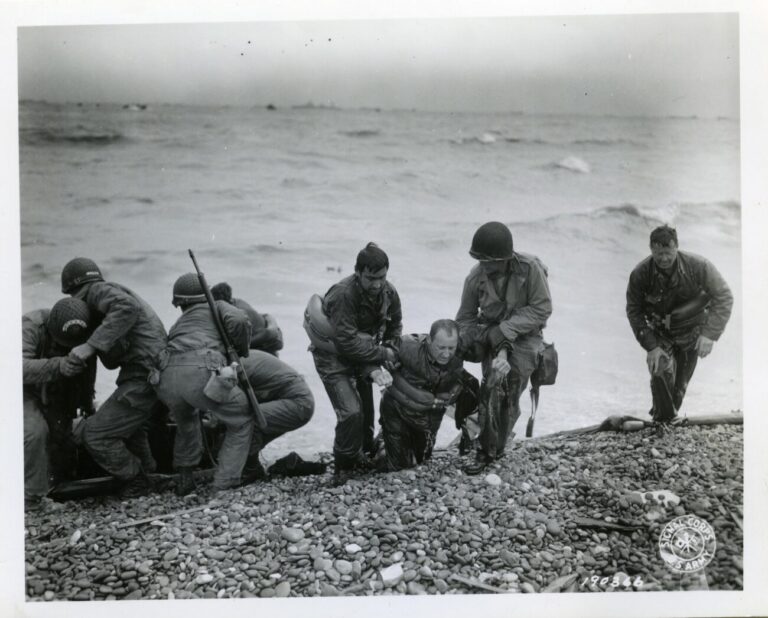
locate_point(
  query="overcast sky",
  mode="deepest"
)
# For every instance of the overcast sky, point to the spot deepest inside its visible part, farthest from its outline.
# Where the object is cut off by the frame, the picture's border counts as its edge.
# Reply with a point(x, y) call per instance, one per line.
point(646, 65)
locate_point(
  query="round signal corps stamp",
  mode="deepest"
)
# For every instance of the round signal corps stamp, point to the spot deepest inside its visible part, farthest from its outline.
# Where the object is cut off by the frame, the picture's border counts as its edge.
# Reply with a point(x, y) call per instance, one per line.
point(687, 544)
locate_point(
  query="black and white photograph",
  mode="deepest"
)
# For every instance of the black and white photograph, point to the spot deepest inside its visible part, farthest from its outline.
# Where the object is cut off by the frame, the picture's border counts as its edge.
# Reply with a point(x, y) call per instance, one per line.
point(452, 308)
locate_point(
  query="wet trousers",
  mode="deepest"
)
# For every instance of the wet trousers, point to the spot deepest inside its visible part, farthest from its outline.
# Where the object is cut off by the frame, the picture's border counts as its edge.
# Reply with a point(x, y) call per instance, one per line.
point(408, 436)
point(351, 396)
point(291, 410)
point(115, 436)
point(181, 389)
point(670, 381)
point(35, 450)
point(499, 406)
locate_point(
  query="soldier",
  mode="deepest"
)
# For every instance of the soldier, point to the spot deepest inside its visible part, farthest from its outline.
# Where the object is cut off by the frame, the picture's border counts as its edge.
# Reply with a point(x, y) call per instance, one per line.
point(428, 379)
point(193, 375)
point(285, 400)
point(678, 305)
point(505, 305)
point(129, 336)
point(365, 314)
point(56, 385)
point(265, 333)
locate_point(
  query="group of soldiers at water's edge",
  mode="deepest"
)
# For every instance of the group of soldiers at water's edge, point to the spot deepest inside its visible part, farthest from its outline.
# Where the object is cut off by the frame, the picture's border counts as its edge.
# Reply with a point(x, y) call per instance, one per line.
point(677, 304)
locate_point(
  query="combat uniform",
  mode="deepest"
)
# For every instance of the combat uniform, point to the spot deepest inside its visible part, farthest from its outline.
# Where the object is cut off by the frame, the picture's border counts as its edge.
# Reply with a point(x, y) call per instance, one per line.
point(410, 421)
point(652, 295)
point(130, 336)
point(361, 325)
point(262, 336)
point(193, 353)
point(51, 401)
point(509, 311)
point(284, 398)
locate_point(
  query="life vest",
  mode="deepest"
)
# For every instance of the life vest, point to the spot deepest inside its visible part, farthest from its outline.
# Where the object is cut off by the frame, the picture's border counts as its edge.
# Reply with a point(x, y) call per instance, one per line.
point(318, 327)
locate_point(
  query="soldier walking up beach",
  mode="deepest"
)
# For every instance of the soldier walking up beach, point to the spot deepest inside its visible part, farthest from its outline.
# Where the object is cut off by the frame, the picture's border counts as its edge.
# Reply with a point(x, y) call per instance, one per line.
point(678, 305)
point(505, 305)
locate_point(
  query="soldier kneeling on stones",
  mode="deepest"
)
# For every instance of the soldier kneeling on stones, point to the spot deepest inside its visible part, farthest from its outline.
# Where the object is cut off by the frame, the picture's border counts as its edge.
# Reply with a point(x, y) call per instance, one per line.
point(285, 401)
point(193, 374)
point(429, 378)
point(56, 384)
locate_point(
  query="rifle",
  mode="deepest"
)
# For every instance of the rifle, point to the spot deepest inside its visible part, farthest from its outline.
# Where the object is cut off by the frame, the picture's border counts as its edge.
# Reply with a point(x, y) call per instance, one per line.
point(232, 356)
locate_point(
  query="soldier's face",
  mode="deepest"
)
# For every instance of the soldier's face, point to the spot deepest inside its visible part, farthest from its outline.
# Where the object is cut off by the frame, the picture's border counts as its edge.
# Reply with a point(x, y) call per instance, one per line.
point(664, 256)
point(493, 267)
point(442, 347)
point(372, 282)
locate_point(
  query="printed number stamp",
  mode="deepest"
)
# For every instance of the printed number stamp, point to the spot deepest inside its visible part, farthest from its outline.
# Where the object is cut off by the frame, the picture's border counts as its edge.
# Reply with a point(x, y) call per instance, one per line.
point(618, 581)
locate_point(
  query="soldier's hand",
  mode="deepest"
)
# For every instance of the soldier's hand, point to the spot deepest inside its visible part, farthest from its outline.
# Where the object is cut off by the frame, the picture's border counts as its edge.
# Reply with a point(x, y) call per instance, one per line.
point(70, 366)
point(704, 346)
point(83, 351)
point(654, 359)
point(381, 378)
point(500, 364)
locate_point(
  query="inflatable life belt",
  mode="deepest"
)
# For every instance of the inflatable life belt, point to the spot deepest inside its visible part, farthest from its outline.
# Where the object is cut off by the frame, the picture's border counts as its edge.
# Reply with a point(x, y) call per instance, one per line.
point(319, 329)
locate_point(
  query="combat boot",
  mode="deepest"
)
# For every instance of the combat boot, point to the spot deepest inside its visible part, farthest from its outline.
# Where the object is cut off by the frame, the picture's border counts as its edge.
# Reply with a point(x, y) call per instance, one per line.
point(137, 486)
point(185, 481)
point(482, 461)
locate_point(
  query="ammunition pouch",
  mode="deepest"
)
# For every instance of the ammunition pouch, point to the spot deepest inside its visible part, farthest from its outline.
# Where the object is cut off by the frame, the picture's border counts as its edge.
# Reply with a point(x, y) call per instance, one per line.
point(545, 373)
point(219, 388)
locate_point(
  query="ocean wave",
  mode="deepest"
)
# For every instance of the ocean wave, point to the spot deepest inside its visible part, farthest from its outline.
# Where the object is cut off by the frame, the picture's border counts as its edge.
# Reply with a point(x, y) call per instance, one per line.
point(526, 140)
point(37, 137)
point(719, 219)
point(361, 133)
point(617, 141)
point(268, 249)
point(295, 183)
point(123, 260)
point(572, 164)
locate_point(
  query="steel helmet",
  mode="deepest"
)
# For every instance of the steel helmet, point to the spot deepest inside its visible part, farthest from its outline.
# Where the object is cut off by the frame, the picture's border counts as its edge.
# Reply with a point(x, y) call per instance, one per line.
point(492, 241)
point(69, 322)
point(187, 291)
point(78, 271)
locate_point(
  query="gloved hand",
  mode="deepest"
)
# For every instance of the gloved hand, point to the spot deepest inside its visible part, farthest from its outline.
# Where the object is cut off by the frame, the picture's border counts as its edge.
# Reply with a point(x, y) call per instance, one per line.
point(703, 346)
point(654, 359)
point(71, 365)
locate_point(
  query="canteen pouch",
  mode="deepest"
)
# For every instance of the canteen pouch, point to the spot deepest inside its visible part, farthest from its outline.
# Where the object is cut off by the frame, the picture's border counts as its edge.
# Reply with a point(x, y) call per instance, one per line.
point(219, 387)
point(545, 373)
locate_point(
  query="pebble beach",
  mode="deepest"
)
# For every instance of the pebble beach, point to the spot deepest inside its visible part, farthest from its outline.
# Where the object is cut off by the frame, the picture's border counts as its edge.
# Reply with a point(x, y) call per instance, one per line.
point(557, 513)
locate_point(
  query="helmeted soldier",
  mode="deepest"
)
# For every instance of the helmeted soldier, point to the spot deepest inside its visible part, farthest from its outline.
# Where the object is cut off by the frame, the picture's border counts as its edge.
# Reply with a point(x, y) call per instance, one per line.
point(505, 305)
point(129, 336)
point(56, 386)
point(678, 305)
point(194, 376)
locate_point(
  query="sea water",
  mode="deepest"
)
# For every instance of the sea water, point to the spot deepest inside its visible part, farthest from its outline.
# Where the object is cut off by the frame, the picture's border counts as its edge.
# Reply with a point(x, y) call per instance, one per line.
point(278, 203)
